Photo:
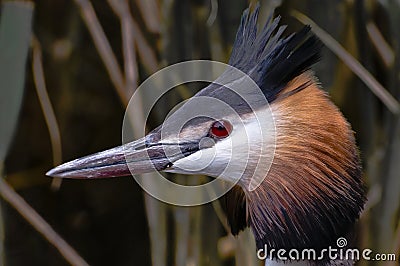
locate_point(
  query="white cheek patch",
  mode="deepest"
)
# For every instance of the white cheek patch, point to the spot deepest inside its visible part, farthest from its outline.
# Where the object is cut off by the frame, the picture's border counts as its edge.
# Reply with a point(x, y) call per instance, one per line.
point(196, 163)
point(250, 145)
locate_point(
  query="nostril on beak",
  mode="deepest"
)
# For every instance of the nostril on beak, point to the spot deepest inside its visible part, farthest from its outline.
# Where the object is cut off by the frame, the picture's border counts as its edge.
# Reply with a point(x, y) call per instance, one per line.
point(147, 141)
point(150, 140)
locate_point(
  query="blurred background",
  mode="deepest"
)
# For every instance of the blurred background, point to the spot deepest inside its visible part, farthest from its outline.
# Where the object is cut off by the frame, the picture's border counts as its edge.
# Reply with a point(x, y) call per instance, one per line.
point(67, 71)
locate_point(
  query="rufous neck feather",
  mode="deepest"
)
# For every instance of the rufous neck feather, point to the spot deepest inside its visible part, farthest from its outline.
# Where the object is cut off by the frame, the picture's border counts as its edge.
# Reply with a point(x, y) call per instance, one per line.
point(313, 193)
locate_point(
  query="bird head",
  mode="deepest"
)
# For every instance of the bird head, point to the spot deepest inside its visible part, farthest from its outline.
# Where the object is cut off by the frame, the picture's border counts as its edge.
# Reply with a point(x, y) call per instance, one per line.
point(309, 190)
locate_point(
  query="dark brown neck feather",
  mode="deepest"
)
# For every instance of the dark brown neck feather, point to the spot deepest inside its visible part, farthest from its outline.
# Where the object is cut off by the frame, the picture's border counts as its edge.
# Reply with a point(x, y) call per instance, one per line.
point(313, 193)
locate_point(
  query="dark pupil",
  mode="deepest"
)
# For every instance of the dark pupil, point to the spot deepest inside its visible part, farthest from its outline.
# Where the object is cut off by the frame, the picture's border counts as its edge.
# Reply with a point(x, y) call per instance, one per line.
point(219, 130)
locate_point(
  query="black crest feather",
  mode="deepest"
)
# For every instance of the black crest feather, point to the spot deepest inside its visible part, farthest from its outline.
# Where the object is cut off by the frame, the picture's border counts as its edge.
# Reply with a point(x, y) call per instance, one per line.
point(270, 59)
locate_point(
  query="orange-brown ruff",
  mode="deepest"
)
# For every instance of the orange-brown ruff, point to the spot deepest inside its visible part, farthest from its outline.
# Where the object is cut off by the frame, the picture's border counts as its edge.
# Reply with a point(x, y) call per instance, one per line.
point(313, 192)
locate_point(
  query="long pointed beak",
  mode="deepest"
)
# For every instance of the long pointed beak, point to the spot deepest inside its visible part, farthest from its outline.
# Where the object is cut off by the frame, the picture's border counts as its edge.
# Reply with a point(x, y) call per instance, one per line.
point(131, 158)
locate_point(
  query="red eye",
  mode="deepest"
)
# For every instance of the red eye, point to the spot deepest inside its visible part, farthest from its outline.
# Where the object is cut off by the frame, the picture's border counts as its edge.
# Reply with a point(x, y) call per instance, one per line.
point(220, 129)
